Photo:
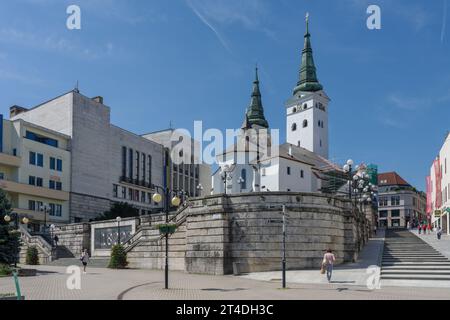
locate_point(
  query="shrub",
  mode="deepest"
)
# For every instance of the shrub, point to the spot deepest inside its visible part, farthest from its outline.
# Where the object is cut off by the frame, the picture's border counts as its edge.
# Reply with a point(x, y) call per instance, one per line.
point(5, 270)
point(118, 258)
point(32, 258)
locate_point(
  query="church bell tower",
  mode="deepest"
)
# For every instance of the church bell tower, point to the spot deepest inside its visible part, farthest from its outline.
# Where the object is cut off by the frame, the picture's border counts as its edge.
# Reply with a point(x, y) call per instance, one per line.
point(307, 109)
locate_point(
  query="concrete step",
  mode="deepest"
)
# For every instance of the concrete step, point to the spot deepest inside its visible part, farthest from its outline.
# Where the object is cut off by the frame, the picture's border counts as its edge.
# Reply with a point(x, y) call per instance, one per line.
point(415, 277)
point(415, 267)
point(93, 262)
point(415, 272)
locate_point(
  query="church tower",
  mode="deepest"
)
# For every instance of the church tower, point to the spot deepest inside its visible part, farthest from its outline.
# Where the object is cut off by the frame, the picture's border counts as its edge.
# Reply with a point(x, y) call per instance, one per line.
point(307, 110)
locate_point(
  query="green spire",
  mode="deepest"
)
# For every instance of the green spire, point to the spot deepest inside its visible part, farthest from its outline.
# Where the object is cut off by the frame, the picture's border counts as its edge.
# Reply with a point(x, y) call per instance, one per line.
point(255, 112)
point(308, 77)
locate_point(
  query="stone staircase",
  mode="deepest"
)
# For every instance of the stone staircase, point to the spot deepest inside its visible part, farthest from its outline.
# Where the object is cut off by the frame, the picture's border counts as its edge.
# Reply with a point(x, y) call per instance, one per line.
point(93, 262)
point(408, 260)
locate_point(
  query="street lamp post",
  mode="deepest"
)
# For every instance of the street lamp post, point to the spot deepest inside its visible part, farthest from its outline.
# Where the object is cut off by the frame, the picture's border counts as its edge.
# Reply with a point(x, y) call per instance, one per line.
point(45, 209)
point(348, 169)
point(118, 219)
point(13, 215)
point(176, 202)
point(200, 189)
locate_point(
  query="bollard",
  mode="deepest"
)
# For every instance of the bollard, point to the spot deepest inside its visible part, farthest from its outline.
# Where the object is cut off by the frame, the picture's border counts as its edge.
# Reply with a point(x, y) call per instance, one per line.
point(16, 281)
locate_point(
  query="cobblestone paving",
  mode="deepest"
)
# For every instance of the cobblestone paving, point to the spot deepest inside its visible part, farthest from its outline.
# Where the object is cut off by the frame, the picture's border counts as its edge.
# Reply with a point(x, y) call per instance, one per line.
point(105, 284)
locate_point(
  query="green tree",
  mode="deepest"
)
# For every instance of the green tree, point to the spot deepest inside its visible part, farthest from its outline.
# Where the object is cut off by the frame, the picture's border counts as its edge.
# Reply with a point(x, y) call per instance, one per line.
point(118, 257)
point(9, 238)
point(119, 209)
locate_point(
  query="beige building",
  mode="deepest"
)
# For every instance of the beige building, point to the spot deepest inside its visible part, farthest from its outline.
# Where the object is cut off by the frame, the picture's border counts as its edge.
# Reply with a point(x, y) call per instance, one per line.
point(35, 171)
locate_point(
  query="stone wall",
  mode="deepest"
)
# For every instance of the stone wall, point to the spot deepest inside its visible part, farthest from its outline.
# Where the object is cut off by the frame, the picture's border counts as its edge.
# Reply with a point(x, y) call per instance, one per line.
point(220, 233)
point(87, 207)
point(73, 238)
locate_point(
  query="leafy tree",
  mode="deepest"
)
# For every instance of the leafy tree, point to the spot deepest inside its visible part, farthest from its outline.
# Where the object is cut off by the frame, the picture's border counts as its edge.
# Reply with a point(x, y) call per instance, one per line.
point(119, 209)
point(9, 238)
point(118, 257)
point(32, 258)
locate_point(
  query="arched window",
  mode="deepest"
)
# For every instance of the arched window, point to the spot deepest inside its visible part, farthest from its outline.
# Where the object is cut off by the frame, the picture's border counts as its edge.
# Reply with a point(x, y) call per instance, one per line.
point(294, 127)
point(305, 123)
point(305, 106)
point(320, 124)
point(294, 110)
point(244, 179)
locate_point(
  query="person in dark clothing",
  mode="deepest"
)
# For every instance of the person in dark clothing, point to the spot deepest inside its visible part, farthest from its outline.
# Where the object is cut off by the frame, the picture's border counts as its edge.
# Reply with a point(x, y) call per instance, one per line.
point(55, 240)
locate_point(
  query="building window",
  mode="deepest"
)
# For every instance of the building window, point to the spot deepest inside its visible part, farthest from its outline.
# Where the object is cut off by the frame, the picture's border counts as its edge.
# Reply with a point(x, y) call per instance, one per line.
point(395, 213)
point(138, 166)
point(130, 194)
point(305, 123)
point(32, 180)
point(143, 196)
point(136, 195)
point(52, 209)
point(39, 182)
point(294, 127)
point(305, 106)
point(124, 193)
point(59, 210)
point(130, 163)
point(58, 186)
point(52, 163)
point(31, 205)
point(302, 174)
point(40, 160)
point(289, 171)
point(150, 169)
point(51, 184)
point(149, 196)
point(33, 158)
point(41, 139)
point(144, 157)
point(383, 214)
point(2, 176)
point(383, 202)
point(59, 165)
point(124, 162)
point(115, 191)
point(244, 179)
point(395, 200)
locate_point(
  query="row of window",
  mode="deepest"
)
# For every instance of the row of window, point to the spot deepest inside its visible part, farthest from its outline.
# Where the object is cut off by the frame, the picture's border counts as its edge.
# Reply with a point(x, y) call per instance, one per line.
point(120, 192)
point(39, 182)
point(37, 159)
point(302, 172)
point(318, 105)
point(136, 166)
point(394, 213)
point(305, 125)
point(383, 201)
point(41, 139)
point(55, 210)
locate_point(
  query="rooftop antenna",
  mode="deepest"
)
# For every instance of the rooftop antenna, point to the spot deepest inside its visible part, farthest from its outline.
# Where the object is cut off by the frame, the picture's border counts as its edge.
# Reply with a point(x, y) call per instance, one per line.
point(77, 90)
point(170, 125)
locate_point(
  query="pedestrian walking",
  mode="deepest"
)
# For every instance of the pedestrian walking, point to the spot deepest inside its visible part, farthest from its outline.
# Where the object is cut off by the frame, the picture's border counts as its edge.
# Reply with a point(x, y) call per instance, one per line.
point(439, 233)
point(84, 259)
point(424, 229)
point(55, 240)
point(419, 228)
point(328, 261)
point(429, 228)
point(375, 229)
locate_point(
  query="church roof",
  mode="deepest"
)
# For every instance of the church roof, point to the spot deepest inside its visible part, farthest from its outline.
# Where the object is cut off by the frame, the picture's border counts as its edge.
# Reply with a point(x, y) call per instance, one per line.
point(255, 111)
point(308, 78)
point(292, 152)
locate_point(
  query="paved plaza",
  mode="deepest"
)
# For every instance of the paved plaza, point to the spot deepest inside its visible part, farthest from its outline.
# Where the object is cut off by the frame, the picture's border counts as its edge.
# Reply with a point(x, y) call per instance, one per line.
point(105, 284)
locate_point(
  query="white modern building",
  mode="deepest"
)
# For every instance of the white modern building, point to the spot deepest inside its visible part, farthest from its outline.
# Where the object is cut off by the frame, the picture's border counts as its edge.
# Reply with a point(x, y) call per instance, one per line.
point(253, 164)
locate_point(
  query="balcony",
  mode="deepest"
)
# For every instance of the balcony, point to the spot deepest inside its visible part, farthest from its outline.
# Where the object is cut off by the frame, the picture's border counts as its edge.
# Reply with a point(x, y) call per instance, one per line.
point(21, 188)
point(9, 160)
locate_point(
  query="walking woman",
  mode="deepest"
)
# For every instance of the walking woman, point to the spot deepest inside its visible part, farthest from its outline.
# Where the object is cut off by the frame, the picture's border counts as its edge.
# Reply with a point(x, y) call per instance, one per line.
point(328, 260)
point(84, 259)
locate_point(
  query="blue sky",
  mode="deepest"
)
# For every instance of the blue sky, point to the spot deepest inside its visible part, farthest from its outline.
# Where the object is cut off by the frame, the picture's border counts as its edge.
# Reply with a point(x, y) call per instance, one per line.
point(159, 61)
